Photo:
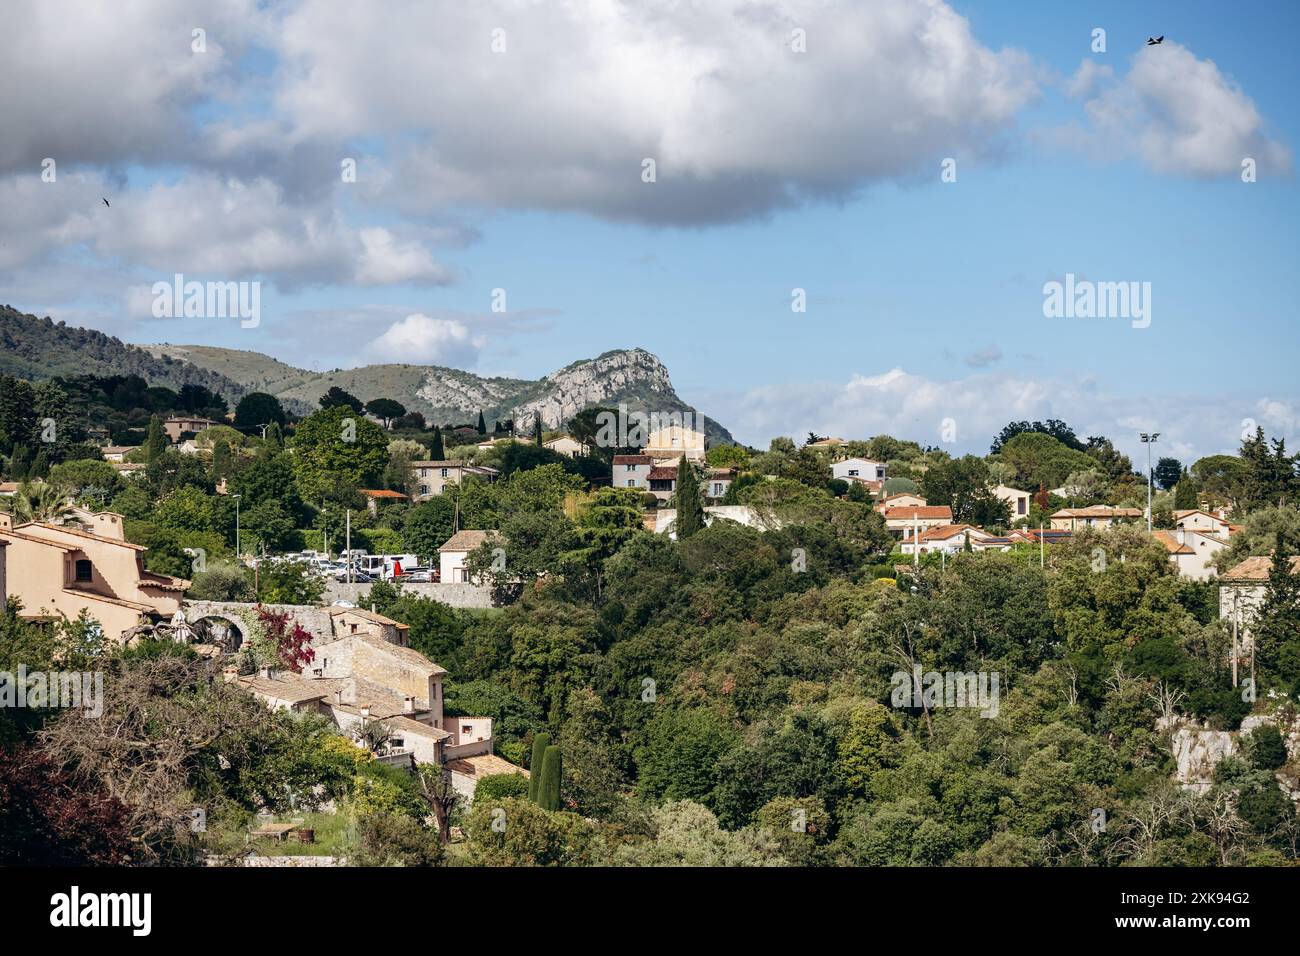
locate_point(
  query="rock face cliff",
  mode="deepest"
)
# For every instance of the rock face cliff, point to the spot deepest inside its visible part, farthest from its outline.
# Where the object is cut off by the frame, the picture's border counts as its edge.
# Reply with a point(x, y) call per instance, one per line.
point(1198, 750)
point(633, 377)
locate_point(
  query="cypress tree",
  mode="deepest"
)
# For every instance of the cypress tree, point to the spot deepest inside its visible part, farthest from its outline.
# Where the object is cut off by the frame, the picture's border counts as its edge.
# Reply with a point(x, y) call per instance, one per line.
point(537, 429)
point(540, 743)
point(436, 451)
point(548, 791)
point(41, 466)
point(156, 442)
point(690, 513)
point(482, 425)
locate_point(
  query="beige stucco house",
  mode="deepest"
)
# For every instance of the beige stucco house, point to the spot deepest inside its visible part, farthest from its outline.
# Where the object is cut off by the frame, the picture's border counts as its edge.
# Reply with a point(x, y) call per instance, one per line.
point(85, 564)
point(675, 441)
point(433, 477)
point(569, 447)
point(1098, 516)
point(1018, 499)
point(178, 425)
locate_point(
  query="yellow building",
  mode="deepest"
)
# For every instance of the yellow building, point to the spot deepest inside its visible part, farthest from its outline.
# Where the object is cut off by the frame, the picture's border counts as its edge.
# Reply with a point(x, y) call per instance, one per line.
point(59, 570)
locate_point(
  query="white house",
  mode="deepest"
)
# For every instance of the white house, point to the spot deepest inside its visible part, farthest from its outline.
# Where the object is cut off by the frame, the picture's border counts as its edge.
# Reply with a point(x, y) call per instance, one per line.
point(632, 471)
point(953, 538)
point(564, 445)
point(858, 468)
point(1191, 551)
point(453, 554)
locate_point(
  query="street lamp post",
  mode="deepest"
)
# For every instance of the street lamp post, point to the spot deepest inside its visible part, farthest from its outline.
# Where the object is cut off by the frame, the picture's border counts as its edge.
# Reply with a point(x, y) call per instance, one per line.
point(1149, 439)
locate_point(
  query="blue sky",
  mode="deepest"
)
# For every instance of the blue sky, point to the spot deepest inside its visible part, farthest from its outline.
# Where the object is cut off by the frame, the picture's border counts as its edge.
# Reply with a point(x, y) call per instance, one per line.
point(777, 171)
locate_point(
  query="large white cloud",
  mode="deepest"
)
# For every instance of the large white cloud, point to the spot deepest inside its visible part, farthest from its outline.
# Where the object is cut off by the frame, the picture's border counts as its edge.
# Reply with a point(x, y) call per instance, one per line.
point(736, 120)
point(202, 224)
point(1177, 113)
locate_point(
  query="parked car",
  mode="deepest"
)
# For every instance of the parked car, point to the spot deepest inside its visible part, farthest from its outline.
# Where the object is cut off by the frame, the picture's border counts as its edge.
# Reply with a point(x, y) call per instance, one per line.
point(358, 577)
point(419, 575)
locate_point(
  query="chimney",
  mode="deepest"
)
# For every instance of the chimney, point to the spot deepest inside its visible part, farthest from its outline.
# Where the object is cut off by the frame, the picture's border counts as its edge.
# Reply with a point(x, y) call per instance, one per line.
point(409, 705)
point(1182, 536)
point(264, 672)
point(230, 673)
point(338, 696)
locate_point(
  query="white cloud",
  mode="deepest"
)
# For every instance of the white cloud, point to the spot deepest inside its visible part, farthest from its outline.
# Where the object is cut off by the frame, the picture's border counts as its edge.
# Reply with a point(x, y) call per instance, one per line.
point(207, 226)
point(914, 407)
point(421, 339)
point(737, 122)
point(1177, 113)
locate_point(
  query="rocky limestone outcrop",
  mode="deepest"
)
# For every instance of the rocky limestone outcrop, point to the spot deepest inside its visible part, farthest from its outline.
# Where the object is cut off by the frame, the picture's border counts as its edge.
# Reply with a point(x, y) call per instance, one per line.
point(1197, 752)
point(570, 390)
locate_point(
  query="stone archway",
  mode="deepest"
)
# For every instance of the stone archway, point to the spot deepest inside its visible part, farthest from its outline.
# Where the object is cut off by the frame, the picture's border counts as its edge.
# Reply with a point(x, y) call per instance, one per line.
point(220, 630)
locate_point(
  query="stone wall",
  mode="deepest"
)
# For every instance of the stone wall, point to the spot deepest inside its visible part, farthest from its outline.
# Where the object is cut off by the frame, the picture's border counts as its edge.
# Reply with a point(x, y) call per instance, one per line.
point(449, 593)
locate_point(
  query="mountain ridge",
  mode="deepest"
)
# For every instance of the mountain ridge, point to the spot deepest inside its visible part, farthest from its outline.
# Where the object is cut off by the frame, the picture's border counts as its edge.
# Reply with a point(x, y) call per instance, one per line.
point(40, 348)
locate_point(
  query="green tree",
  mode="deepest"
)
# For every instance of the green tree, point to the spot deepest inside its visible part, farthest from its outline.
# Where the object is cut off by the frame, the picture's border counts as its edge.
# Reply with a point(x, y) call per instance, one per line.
point(548, 789)
point(690, 510)
point(338, 398)
point(156, 442)
point(540, 742)
point(386, 409)
point(257, 409)
point(337, 446)
point(482, 425)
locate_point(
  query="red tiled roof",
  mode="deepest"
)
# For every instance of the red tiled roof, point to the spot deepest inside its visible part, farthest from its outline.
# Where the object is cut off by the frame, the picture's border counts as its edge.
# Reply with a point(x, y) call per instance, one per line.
point(633, 460)
point(380, 493)
point(908, 512)
point(662, 473)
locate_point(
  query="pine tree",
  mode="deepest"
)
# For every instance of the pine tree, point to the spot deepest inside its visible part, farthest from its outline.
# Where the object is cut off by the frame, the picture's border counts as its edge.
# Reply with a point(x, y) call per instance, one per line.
point(436, 450)
point(540, 742)
point(548, 790)
point(1186, 495)
point(690, 513)
point(482, 425)
point(155, 442)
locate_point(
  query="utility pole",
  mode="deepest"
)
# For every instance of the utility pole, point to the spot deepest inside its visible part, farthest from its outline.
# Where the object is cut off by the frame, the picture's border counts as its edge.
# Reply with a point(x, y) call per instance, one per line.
point(1042, 550)
point(237, 551)
point(347, 554)
point(1149, 440)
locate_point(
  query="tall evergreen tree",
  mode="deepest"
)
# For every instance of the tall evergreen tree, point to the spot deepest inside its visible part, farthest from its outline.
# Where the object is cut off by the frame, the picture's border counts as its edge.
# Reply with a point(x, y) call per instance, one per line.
point(1277, 620)
point(548, 790)
point(537, 429)
point(155, 442)
point(436, 450)
point(690, 513)
point(482, 425)
point(540, 743)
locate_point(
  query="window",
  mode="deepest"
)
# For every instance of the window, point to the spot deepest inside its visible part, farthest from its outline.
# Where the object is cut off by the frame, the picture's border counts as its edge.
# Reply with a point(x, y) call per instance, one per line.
point(1020, 505)
point(84, 571)
point(853, 473)
point(396, 743)
point(466, 729)
point(445, 472)
point(629, 467)
point(424, 489)
point(631, 482)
